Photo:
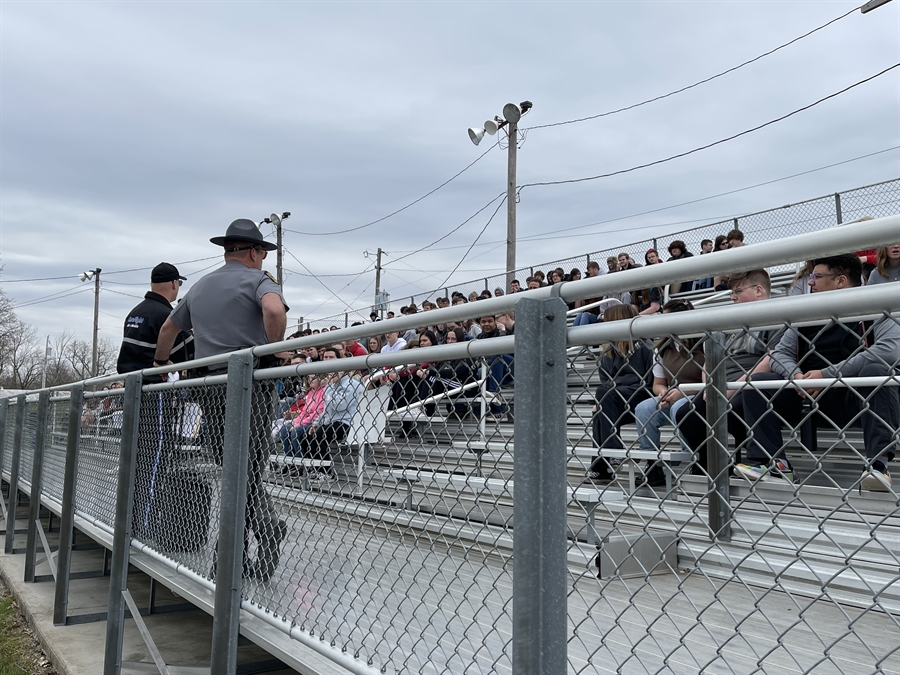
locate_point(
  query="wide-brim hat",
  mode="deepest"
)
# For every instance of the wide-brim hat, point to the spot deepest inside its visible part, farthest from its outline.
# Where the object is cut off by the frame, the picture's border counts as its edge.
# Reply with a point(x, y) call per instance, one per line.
point(244, 229)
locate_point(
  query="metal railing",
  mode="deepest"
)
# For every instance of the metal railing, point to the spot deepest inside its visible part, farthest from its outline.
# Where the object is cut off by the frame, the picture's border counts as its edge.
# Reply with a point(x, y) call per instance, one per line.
point(516, 529)
point(811, 215)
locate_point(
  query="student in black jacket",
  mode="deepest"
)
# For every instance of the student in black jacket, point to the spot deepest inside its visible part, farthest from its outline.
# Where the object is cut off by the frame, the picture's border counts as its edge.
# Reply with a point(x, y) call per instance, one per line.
point(626, 369)
point(144, 321)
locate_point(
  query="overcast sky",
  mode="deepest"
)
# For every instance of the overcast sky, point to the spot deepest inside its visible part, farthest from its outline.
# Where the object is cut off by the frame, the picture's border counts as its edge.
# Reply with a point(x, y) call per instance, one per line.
point(131, 133)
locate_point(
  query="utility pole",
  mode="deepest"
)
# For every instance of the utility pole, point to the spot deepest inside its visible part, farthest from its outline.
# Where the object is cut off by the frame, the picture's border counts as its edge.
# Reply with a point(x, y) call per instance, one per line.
point(86, 276)
point(377, 274)
point(512, 113)
point(380, 298)
point(513, 130)
point(46, 356)
point(94, 363)
point(275, 220)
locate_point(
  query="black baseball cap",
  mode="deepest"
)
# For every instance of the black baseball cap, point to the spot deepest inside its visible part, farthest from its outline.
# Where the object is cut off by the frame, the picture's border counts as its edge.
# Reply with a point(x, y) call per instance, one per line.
point(165, 272)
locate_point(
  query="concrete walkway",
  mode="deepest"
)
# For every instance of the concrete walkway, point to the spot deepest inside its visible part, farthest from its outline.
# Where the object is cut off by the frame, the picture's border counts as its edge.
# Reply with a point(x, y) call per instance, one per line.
point(182, 637)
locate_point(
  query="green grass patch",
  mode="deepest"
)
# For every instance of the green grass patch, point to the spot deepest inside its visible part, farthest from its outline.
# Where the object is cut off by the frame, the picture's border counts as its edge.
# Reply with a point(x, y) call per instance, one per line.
point(20, 654)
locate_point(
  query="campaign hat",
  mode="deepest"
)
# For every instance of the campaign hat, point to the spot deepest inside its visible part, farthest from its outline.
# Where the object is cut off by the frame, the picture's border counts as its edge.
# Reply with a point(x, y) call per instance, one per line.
point(244, 229)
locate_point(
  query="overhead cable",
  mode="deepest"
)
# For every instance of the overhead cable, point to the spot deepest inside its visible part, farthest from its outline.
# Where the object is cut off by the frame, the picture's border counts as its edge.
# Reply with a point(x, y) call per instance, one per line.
point(695, 84)
point(714, 143)
point(394, 213)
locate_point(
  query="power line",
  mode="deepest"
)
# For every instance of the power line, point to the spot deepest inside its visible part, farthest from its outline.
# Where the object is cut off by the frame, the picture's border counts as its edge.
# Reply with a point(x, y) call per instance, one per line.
point(136, 269)
point(390, 215)
point(440, 239)
point(695, 84)
point(544, 235)
point(130, 295)
point(347, 274)
point(321, 283)
point(468, 250)
point(29, 303)
point(710, 145)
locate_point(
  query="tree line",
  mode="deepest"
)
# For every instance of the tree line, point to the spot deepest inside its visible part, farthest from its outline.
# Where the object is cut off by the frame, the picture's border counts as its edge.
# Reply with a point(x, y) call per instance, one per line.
point(22, 354)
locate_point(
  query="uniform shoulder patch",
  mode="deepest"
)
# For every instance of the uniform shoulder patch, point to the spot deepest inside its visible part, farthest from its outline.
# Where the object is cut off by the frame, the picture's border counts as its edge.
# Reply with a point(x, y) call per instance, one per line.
point(269, 274)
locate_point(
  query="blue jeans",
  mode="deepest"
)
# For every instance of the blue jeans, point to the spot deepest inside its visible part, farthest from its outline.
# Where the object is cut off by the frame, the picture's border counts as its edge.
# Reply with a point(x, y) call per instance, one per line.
point(501, 369)
point(290, 439)
point(585, 319)
point(650, 418)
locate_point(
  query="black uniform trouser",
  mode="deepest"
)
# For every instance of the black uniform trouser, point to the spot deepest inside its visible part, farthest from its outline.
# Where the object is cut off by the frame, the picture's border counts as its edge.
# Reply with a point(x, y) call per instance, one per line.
point(615, 407)
point(261, 516)
point(691, 423)
point(877, 410)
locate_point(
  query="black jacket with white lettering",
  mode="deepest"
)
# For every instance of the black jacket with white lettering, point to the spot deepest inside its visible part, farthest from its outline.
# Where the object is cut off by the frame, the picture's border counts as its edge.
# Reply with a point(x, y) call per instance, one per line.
point(141, 332)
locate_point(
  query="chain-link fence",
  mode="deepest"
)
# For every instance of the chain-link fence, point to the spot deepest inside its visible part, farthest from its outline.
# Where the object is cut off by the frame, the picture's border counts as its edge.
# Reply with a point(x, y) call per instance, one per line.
point(644, 494)
point(812, 215)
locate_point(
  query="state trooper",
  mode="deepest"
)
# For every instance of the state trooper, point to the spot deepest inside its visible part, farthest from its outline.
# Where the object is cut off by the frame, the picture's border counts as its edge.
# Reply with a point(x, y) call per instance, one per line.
point(235, 307)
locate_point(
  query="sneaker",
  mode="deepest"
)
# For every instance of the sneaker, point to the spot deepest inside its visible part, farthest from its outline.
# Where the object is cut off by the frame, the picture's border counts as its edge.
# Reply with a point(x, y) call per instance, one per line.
point(779, 470)
point(875, 480)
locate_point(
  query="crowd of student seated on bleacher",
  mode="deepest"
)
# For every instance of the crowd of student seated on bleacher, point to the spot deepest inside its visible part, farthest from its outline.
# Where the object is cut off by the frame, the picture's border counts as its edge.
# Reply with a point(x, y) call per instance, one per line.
point(640, 382)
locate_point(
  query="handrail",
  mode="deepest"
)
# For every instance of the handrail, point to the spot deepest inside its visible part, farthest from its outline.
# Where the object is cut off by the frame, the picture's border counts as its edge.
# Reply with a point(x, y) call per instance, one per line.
point(710, 298)
point(579, 310)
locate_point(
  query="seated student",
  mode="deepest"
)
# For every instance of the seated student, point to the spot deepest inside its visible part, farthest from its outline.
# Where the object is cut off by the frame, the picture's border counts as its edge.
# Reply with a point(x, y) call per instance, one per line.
point(393, 343)
point(625, 371)
point(647, 301)
point(814, 352)
point(887, 265)
point(676, 361)
point(413, 384)
point(574, 275)
point(678, 251)
point(341, 401)
point(515, 286)
point(593, 314)
point(746, 352)
point(295, 429)
point(375, 344)
point(612, 264)
point(532, 283)
point(456, 373)
point(501, 367)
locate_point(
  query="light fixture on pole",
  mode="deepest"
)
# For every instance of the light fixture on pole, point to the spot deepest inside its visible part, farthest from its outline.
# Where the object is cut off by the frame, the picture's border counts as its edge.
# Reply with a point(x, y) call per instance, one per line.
point(512, 113)
point(87, 276)
point(275, 220)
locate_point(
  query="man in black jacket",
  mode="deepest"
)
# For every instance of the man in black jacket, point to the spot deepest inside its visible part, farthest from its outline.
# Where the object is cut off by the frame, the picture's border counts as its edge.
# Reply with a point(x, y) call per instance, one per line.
point(144, 321)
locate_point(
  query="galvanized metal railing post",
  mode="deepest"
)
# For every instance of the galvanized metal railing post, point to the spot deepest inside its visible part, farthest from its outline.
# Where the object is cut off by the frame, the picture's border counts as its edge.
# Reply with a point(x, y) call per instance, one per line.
point(837, 208)
point(67, 516)
point(718, 459)
point(34, 511)
point(539, 500)
point(14, 474)
point(230, 557)
point(118, 571)
point(4, 411)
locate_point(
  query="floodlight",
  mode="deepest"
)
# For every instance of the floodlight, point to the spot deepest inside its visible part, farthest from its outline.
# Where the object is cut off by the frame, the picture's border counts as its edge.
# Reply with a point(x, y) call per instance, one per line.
point(512, 113)
point(491, 127)
point(475, 135)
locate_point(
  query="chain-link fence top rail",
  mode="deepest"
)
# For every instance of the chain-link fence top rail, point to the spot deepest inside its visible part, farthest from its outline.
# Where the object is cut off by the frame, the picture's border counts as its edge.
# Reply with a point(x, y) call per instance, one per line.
point(813, 215)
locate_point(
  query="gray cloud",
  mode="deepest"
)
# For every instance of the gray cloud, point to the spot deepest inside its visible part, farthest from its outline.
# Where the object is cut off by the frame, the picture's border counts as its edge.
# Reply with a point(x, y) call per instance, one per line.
point(133, 132)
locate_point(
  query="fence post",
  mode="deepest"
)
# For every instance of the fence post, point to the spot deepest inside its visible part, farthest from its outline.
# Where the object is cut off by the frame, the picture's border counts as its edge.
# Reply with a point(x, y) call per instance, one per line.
point(34, 511)
point(232, 512)
point(118, 571)
point(540, 496)
point(718, 459)
point(346, 320)
point(67, 516)
point(837, 208)
point(4, 413)
point(14, 474)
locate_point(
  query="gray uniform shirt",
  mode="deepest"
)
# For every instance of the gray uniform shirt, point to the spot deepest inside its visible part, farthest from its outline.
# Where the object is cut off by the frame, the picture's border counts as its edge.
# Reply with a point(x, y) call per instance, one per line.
point(224, 309)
